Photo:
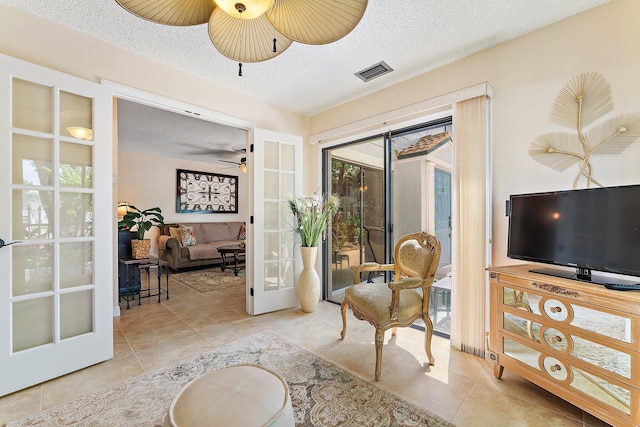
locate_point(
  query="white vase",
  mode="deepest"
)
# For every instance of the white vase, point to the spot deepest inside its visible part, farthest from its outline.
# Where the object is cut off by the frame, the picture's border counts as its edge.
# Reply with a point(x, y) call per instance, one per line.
point(309, 281)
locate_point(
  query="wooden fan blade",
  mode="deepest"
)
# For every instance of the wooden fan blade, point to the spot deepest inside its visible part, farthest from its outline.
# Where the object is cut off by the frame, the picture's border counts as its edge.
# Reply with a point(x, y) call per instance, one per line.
point(171, 12)
point(316, 22)
point(229, 161)
point(211, 149)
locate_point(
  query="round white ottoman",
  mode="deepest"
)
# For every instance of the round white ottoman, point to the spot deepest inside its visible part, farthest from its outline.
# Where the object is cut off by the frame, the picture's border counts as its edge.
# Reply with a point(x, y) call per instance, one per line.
point(241, 396)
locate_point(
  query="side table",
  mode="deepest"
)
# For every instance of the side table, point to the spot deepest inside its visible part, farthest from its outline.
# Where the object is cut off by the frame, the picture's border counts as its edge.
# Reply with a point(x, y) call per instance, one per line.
point(157, 264)
point(130, 285)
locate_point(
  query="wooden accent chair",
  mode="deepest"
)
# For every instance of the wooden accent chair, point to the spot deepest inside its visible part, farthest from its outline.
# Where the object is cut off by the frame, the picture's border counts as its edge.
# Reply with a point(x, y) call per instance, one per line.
point(397, 303)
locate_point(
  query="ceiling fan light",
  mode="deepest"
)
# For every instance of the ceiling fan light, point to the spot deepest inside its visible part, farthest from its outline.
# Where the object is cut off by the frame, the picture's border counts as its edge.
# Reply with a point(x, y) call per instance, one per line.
point(80, 132)
point(244, 9)
point(256, 30)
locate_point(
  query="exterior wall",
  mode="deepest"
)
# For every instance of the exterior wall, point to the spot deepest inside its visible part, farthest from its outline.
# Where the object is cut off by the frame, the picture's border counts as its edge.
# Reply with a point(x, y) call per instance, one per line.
point(527, 74)
point(409, 210)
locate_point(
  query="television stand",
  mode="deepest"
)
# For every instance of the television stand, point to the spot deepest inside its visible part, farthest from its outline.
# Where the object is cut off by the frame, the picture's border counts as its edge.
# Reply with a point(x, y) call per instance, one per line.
point(578, 341)
point(581, 275)
point(556, 272)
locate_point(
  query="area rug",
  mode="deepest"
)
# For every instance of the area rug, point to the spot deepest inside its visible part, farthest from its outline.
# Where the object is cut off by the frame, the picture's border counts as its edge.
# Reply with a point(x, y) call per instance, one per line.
point(210, 280)
point(322, 393)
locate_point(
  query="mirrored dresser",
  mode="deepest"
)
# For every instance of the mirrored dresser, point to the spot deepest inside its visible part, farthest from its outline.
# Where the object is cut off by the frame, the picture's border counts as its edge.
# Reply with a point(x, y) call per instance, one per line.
point(577, 340)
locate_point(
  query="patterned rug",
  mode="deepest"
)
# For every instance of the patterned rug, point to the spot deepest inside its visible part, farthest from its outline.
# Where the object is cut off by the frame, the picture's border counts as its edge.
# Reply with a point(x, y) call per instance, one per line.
point(322, 393)
point(210, 279)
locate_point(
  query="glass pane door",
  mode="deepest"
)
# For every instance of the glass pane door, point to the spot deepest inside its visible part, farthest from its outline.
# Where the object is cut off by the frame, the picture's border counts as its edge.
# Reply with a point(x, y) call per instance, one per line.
point(276, 264)
point(357, 230)
point(52, 201)
point(421, 194)
point(411, 191)
point(55, 301)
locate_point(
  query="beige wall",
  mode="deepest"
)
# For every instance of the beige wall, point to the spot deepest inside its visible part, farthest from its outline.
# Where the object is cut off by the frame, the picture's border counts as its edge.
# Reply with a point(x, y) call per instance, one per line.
point(146, 181)
point(42, 42)
point(527, 74)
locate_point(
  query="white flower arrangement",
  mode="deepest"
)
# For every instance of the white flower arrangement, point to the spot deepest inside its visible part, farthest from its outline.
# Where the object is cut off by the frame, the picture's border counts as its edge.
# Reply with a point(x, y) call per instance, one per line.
point(311, 216)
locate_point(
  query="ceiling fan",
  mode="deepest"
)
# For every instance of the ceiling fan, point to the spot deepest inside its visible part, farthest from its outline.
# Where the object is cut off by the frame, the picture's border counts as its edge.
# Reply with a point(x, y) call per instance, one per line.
point(242, 164)
point(216, 150)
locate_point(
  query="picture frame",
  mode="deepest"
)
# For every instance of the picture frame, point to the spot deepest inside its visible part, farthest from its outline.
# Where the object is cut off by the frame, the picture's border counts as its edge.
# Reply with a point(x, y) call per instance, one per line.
point(206, 192)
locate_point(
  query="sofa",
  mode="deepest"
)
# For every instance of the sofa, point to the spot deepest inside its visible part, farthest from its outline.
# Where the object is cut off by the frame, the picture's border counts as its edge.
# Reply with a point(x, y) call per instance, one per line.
point(196, 244)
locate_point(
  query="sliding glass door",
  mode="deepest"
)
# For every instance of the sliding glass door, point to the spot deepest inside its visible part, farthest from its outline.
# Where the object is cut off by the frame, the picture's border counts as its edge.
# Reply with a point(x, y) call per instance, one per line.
point(422, 166)
point(390, 185)
point(357, 178)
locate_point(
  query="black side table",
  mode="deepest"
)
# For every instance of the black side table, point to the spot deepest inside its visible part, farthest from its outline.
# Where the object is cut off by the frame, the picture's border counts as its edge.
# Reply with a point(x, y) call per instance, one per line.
point(129, 284)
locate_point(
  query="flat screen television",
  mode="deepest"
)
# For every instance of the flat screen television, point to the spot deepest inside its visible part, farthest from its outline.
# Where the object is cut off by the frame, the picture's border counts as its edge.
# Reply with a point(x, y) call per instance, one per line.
point(591, 229)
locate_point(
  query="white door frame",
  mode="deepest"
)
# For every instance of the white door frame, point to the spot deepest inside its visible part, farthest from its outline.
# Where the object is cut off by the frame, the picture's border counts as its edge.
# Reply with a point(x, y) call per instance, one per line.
point(157, 101)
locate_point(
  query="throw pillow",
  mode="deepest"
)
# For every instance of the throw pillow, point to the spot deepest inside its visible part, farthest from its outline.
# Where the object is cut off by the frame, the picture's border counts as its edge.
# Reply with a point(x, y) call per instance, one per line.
point(188, 236)
point(175, 233)
point(243, 233)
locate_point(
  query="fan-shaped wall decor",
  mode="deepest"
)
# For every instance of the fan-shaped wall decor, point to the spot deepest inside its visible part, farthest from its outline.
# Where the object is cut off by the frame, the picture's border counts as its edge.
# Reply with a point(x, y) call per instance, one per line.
point(584, 100)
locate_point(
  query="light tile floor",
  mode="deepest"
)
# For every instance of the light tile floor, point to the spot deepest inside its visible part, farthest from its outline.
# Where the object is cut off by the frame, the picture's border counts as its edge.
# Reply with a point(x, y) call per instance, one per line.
point(460, 387)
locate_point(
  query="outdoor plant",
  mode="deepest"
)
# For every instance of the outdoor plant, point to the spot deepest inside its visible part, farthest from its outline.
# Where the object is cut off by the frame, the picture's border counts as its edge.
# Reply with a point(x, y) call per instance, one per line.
point(311, 216)
point(142, 220)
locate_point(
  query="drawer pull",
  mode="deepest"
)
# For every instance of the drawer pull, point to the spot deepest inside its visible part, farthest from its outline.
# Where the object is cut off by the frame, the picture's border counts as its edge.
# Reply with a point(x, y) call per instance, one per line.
point(555, 368)
point(556, 339)
point(555, 309)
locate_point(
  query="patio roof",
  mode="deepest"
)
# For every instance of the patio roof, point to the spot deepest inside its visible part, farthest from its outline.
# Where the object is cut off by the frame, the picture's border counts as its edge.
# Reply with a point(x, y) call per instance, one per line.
point(425, 145)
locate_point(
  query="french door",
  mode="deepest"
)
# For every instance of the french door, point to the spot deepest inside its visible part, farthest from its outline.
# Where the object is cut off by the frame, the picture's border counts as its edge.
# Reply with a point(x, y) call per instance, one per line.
point(56, 277)
point(275, 259)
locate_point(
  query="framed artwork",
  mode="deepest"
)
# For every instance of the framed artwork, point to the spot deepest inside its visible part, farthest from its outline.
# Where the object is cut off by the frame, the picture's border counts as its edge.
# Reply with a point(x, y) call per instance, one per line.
point(206, 192)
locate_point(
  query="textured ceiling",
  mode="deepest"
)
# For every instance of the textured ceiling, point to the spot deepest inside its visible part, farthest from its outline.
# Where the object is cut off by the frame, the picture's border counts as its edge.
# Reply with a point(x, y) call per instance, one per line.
point(412, 36)
point(149, 130)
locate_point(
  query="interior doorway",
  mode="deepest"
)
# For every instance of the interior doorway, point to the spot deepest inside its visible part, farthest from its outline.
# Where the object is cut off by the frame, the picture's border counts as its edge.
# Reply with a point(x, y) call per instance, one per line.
point(157, 135)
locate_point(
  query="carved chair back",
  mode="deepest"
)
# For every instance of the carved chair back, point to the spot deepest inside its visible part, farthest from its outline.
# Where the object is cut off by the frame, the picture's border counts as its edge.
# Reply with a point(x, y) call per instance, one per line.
point(417, 255)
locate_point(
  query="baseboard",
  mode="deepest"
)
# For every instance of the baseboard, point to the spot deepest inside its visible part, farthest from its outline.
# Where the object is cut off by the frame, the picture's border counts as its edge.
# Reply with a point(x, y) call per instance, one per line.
point(116, 311)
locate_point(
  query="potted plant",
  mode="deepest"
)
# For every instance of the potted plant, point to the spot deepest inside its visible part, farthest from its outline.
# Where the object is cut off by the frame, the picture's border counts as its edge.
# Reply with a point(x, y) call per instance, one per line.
point(142, 221)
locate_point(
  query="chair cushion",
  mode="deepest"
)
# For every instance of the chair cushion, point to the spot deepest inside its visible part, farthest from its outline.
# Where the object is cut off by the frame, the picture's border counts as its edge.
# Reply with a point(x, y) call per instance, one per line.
point(374, 299)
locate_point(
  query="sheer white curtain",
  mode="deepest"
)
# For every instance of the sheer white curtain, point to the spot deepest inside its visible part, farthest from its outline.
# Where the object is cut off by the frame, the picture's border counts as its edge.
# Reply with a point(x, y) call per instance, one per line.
point(470, 224)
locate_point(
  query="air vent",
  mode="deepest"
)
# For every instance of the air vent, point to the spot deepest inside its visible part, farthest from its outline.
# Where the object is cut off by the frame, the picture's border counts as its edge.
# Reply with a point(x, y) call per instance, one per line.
point(374, 71)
